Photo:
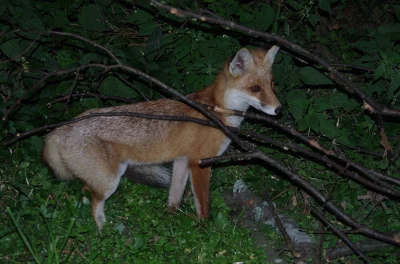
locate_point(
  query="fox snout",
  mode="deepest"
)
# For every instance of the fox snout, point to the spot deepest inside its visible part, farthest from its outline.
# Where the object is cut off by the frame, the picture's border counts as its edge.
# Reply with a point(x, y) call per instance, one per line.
point(272, 110)
point(278, 110)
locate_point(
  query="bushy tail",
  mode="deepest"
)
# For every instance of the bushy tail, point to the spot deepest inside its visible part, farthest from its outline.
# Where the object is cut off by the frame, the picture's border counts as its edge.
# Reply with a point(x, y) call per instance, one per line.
point(152, 175)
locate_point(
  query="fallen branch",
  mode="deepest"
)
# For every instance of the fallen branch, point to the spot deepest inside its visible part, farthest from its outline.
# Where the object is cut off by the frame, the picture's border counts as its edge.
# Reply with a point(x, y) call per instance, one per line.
point(367, 245)
point(340, 234)
point(256, 210)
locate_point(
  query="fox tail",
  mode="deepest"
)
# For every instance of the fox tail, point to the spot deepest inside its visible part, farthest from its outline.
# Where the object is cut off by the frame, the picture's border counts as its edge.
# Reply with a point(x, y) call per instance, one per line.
point(152, 175)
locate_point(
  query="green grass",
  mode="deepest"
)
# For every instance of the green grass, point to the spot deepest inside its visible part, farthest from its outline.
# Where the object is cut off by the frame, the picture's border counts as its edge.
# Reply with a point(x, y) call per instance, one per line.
point(47, 222)
point(43, 220)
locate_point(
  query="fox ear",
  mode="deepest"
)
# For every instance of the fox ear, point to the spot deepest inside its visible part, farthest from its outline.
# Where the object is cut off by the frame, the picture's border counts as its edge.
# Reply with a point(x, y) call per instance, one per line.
point(242, 62)
point(270, 56)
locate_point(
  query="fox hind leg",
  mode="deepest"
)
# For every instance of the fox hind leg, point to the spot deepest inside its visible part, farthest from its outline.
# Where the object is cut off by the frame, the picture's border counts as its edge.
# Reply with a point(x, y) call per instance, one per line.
point(180, 174)
point(200, 181)
point(101, 189)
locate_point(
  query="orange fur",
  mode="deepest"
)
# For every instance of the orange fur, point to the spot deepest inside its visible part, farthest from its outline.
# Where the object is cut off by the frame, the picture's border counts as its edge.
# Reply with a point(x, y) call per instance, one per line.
point(98, 150)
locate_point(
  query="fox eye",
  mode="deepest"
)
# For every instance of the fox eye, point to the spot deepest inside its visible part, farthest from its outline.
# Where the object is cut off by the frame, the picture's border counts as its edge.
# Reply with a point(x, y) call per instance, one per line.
point(255, 89)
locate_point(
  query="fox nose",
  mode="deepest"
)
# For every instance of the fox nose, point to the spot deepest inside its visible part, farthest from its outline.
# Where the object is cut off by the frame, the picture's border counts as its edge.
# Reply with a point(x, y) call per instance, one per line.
point(278, 110)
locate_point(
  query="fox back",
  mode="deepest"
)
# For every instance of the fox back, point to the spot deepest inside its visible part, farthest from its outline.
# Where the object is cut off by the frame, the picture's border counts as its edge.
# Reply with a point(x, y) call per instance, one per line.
point(100, 150)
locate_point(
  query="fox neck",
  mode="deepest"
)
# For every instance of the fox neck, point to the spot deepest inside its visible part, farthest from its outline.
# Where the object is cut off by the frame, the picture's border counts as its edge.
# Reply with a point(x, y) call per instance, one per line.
point(229, 98)
point(224, 97)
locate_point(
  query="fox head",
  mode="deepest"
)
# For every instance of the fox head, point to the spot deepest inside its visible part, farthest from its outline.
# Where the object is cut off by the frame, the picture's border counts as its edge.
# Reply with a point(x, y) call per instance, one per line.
point(249, 82)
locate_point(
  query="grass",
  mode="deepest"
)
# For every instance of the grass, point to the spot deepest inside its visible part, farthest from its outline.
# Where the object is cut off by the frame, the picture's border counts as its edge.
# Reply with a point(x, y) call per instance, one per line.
point(45, 221)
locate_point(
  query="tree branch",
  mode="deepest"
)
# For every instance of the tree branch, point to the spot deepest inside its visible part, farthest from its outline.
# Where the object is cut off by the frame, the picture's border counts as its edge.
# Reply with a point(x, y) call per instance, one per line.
point(340, 234)
point(335, 75)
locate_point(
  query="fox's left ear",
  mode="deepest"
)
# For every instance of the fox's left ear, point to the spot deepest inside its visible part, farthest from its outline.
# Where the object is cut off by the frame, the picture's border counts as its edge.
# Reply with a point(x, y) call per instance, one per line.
point(270, 56)
point(241, 63)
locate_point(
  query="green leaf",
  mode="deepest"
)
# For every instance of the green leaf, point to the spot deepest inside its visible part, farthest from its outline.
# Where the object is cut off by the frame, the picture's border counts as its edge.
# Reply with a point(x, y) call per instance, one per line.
point(295, 4)
point(221, 222)
point(324, 5)
point(90, 103)
point(336, 100)
point(389, 28)
point(311, 76)
point(90, 18)
point(140, 17)
point(138, 241)
point(313, 19)
point(11, 48)
point(34, 23)
point(394, 85)
point(322, 103)
point(298, 103)
point(185, 223)
point(379, 71)
point(66, 57)
point(369, 46)
point(382, 54)
point(182, 48)
point(114, 87)
point(312, 120)
point(383, 42)
point(265, 16)
point(88, 57)
point(147, 28)
point(397, 11)
point(60, 19)
point(328, 128)
point(23, 126)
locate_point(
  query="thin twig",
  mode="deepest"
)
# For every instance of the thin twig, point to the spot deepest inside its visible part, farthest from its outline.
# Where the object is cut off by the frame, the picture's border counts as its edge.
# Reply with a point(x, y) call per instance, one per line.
point(57, 33)
point(73, 87)
point(126, 82)
point(25, 51)
point(286, 237)
point(341, 235)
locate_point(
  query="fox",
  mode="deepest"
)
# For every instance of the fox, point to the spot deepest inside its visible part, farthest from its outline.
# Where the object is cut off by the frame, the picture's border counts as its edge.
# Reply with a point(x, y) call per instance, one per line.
point(100, 150)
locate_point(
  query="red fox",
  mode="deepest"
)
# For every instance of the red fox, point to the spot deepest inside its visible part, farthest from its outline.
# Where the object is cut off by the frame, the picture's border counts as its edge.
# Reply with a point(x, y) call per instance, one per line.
point(100, 150)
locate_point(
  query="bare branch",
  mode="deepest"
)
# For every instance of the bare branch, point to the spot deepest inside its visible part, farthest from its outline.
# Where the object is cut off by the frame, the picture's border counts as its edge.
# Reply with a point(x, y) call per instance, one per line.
point(23, 52)
point(126, 82)
point(364, 246)
point(109, 114)
point(340, 234)
point(88, 94)
point(57, 33)
point(335, 74)
point(317, 195)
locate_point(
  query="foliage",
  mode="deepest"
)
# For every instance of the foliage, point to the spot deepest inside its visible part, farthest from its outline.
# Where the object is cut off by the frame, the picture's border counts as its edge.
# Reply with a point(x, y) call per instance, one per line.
point(45, 220)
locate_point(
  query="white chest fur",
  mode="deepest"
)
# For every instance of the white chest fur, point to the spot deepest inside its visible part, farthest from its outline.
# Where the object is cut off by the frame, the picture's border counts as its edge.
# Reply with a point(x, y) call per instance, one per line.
point(236, 100)
point(234, 121)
